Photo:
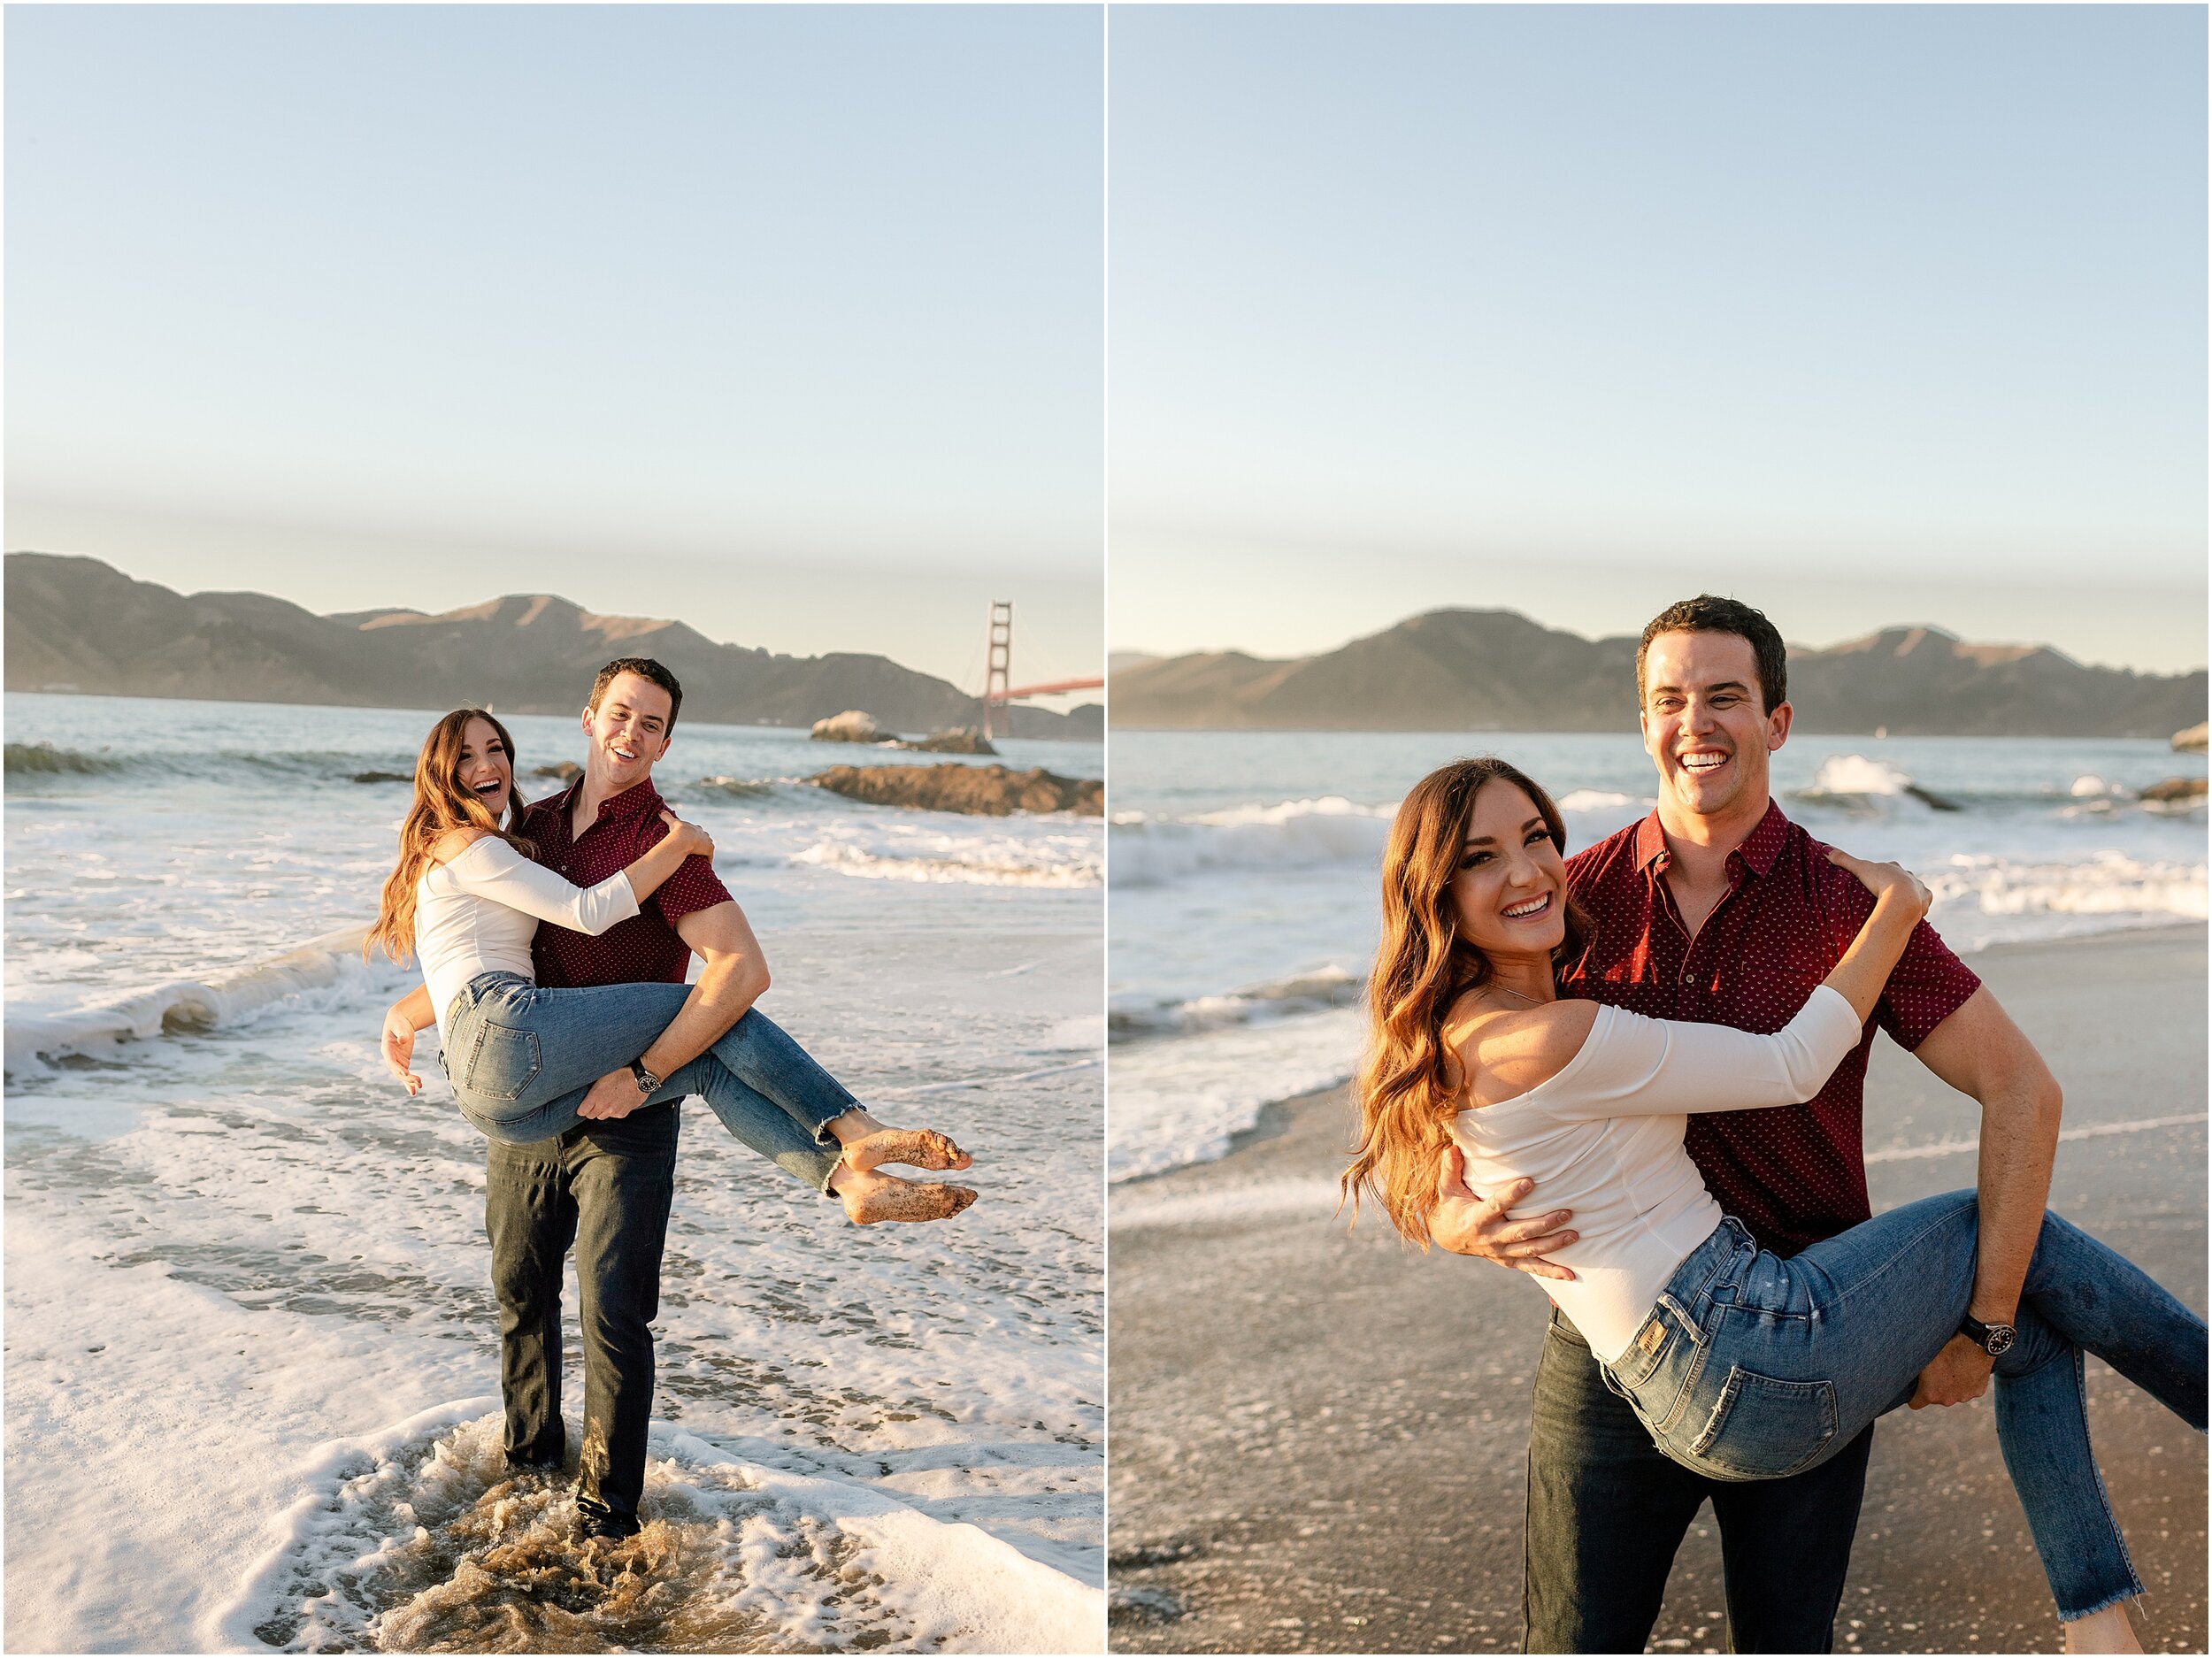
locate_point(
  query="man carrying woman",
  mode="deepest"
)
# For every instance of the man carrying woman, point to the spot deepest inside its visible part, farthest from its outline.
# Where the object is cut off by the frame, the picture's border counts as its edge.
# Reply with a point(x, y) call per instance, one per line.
point(570, 1039)
point(1716, 908)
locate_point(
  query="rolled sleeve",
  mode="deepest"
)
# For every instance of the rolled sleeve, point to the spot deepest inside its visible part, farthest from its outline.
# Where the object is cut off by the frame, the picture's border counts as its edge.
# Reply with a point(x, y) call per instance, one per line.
point(1928, 985)
point(693, 888)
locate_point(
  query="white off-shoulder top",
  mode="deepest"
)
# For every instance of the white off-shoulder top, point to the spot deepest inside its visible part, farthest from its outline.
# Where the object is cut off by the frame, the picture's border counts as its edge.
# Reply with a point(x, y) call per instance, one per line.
point(1603, 1137)
point(477, 911)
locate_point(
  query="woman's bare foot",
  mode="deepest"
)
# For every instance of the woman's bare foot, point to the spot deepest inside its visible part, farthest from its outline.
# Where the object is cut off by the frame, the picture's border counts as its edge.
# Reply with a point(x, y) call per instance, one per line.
point(2108, 1630)
point(917, 1148)
point(869, 1197)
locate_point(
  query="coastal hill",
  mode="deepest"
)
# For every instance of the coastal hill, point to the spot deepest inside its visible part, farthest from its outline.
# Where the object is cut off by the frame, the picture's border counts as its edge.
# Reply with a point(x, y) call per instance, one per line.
point(1498, 671)
point(79, 625)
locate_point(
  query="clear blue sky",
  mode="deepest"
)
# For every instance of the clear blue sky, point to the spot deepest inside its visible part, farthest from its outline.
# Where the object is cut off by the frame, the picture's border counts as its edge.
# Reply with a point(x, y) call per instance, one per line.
point(1869, 314)
point(786, 320)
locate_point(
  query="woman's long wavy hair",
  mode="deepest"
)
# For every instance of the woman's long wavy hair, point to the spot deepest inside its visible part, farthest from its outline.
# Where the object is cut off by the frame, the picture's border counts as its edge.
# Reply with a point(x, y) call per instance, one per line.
point(440, 806)
point(1408, 1081)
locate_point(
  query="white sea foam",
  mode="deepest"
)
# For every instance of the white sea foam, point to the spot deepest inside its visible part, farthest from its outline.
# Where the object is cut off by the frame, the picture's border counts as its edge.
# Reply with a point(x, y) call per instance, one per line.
point(1606, 802)
point(1980, 901)
point(416, 1538)
point(1855, 774)
point(1183, 1100)
point(1014, 865)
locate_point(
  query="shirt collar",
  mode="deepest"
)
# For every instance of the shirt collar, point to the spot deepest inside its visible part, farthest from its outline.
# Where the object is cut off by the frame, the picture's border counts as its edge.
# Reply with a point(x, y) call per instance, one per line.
point(1764, 844)
point(634, 801)
point(1758, 853)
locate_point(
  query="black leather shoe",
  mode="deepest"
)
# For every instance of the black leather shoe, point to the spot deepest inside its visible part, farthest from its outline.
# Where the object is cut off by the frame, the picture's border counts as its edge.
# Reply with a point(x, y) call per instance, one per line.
point(593, 1521)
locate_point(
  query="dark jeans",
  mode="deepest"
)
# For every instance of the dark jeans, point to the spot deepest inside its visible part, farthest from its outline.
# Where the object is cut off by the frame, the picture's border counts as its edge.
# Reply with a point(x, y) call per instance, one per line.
point(1607, 1510)
point(605, 1188)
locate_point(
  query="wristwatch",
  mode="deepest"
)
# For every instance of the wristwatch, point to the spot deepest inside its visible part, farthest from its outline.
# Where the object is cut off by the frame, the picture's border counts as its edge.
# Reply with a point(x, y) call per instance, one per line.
point(648, 1084)
point(1994, 1339)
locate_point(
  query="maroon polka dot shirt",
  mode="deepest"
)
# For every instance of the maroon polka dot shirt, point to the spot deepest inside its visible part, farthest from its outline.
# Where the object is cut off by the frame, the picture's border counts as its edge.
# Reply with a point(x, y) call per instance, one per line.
point(645, 947)
point(1795, 1174)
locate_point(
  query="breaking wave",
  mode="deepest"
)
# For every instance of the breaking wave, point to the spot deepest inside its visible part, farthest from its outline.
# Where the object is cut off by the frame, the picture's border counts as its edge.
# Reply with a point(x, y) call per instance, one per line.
point(1330, 987)
point(189, 1006)
point(30, 759)
point(1010, 869)
point(1152, 852)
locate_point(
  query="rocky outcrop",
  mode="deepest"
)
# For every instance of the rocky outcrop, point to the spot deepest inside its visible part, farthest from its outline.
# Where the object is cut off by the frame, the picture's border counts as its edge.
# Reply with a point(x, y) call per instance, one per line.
point(566, 770)
point(78, 624)
point(1497, 671)
point(991, 791)
point(959, 739)
point(852, 726)
point(2191, 741)
point(2176, 791)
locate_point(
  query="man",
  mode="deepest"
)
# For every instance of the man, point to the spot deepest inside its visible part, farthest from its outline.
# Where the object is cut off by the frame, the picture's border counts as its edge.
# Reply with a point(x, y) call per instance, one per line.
point(1717, 908)
point(609, 1187)
point(606, 1186)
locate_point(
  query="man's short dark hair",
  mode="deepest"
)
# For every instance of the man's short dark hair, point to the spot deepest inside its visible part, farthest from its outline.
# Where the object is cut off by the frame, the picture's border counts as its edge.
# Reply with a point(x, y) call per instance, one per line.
point(646, 668)
point(1707, 613)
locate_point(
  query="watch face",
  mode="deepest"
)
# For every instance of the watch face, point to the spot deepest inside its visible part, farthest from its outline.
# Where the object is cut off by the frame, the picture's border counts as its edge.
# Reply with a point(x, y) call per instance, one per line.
point(2000, 1339)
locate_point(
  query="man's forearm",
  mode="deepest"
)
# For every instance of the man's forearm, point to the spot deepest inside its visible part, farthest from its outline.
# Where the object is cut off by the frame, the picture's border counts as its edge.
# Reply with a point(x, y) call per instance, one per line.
point(726, 988)
point(1979, 1051)
point(2013, 1186)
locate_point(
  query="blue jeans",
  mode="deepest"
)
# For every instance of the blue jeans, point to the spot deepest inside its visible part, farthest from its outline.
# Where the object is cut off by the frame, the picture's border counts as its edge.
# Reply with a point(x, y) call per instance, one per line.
point(521, 1059)
point(1753, 1367)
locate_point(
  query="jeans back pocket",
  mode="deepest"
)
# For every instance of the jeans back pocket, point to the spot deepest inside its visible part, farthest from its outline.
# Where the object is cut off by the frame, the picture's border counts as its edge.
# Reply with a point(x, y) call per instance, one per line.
point(503, 1062)
point(1762, 1429)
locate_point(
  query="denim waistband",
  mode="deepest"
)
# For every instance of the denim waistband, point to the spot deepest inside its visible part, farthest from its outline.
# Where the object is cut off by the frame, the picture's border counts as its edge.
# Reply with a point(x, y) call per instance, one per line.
point(1716, 1261)
point(482, 986)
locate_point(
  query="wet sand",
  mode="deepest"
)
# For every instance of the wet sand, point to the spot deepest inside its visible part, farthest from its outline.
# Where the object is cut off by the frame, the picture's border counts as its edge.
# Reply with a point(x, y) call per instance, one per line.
point(1316, 1440)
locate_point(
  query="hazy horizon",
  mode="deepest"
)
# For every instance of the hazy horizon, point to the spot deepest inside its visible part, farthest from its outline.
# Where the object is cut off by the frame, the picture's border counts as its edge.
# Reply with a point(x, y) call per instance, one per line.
point(1120, 657)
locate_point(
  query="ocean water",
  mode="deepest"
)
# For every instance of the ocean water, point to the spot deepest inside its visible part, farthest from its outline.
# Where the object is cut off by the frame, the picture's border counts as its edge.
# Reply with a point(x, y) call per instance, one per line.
point(251, 1346)
point(1243, 911)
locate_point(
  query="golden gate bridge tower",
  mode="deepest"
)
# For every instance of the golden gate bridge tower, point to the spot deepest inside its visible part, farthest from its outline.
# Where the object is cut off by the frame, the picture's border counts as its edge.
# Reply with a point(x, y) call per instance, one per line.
point(999, 693)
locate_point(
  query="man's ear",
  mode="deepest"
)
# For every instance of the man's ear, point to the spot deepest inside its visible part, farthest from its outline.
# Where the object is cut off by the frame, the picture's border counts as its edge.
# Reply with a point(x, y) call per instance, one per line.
point(1778, 727)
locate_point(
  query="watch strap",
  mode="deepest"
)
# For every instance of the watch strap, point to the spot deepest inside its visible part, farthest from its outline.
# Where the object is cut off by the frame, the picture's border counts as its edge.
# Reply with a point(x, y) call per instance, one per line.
point(1991, 1339)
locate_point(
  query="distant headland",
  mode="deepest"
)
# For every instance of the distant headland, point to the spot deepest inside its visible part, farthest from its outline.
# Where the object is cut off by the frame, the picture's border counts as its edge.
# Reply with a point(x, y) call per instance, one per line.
point(78, 624)
point(1498, 671)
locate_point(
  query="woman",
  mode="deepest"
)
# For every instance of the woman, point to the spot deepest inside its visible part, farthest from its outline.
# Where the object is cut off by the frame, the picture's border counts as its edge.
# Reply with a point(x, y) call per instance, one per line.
point(465, 901)
point(1741, 1364)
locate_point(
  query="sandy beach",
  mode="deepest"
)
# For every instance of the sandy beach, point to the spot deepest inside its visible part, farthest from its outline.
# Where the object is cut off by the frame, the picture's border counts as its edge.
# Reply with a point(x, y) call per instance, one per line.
point(1317, 1440)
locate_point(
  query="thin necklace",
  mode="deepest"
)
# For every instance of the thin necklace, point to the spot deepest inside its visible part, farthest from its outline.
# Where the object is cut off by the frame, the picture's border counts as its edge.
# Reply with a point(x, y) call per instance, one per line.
point(1516, 995)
